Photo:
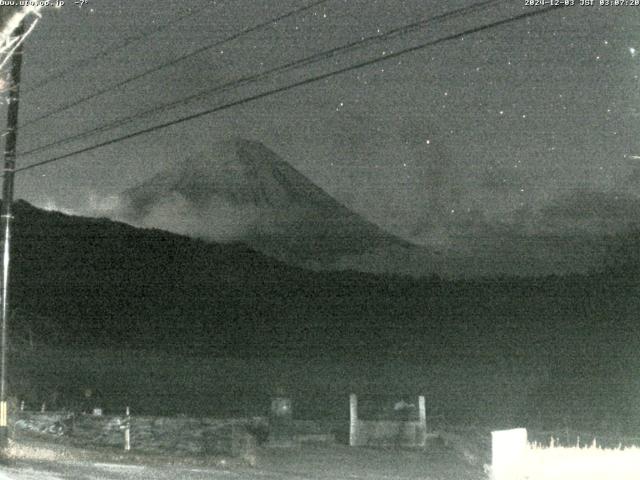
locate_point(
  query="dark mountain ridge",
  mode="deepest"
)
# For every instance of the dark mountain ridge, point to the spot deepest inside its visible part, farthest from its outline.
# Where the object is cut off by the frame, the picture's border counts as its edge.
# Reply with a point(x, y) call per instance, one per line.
point(93, 282)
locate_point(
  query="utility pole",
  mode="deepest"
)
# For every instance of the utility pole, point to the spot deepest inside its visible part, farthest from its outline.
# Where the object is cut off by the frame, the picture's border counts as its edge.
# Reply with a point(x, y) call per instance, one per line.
point(6, 218)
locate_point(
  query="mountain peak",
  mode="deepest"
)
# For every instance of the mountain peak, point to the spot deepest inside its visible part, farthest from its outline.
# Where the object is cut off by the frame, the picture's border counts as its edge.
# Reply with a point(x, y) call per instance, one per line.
point(233, 153)
point(241, 190)
point(237, 172)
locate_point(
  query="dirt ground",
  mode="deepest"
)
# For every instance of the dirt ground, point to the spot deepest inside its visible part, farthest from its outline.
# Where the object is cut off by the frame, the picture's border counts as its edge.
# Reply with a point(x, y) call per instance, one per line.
point(441, 460)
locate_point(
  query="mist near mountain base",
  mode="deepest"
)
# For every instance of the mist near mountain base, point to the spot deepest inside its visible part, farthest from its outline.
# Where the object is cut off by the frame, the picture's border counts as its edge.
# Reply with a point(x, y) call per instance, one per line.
point(217, 220)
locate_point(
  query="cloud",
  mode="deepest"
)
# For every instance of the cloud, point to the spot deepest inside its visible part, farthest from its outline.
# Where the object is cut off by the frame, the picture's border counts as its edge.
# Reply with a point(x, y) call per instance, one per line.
point(216, 220)
point(51, 206)
point(93, 205)
point(588, 211)
point(569, 233)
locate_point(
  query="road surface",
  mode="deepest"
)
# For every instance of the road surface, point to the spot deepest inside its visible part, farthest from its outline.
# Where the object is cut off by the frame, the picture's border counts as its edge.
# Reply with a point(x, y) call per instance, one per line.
point(23, 470)
point(85, 471)
point(305, 463)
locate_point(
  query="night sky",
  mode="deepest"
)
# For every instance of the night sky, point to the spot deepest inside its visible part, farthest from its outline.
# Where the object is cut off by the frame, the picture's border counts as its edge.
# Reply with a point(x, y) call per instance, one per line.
point(509, 138)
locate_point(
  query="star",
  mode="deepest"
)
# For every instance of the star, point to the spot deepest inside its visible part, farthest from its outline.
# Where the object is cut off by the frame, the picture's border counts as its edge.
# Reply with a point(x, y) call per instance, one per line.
point(633, 52)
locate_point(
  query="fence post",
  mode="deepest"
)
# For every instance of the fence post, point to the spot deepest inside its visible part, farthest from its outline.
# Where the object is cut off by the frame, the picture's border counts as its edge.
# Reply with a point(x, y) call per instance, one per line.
point(353, 420)
point(127, 432)
point(281, 426)
point(422, 411)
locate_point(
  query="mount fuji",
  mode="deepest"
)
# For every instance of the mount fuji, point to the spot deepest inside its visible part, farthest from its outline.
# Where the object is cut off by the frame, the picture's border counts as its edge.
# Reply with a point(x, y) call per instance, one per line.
point(239, 190)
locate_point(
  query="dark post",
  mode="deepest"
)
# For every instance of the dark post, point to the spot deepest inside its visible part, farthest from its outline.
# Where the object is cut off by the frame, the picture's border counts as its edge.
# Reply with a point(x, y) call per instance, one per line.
point(281, 422)
point(6, 216)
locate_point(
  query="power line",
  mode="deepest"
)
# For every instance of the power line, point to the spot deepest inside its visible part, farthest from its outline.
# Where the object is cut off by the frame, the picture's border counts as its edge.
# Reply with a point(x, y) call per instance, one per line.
point(109, 50)
point(406, 29)
point(157, 68)
point(318, 57)
point(294, 85)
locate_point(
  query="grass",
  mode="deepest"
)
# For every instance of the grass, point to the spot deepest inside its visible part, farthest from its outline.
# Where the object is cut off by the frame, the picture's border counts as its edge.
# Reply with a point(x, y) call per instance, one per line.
point(554, 462)
point(583, 463)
